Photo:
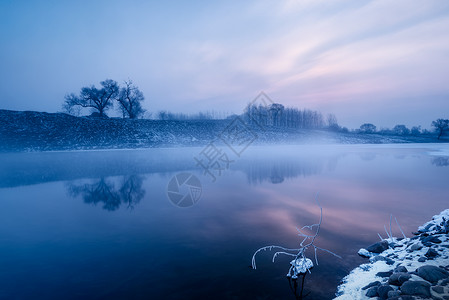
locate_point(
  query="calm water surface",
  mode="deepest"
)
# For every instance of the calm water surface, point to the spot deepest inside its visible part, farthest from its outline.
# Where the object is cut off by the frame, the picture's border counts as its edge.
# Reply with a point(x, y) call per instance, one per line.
point(99, 224)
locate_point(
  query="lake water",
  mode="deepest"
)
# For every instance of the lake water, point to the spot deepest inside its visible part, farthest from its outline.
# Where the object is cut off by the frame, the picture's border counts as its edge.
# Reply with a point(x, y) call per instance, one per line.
point(100, 224)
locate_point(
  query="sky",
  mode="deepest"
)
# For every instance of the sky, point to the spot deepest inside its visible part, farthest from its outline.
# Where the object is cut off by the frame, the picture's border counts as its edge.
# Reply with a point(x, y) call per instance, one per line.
point(382, 62)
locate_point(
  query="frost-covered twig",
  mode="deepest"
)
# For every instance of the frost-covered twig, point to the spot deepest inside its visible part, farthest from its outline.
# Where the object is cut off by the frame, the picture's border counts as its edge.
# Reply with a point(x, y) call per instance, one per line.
point(389, 233)
point(399, 226)
point(301, 264)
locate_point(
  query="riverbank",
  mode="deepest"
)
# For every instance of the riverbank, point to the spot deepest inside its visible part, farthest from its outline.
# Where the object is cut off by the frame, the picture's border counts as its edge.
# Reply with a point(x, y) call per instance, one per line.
point(407, 268)
point(24, 131)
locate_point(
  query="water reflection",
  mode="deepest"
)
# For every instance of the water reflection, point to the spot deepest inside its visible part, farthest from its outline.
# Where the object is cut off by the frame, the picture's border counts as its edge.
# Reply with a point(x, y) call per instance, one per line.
point(298, 288)
point(55, 248)
point(259, 164)
point(103, 191)
point(131, 191)
point(276, 171)
point(440, 161)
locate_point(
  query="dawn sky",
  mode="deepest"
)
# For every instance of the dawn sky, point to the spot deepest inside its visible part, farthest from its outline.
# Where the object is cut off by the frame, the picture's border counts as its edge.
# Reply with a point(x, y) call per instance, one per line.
point(384, 62)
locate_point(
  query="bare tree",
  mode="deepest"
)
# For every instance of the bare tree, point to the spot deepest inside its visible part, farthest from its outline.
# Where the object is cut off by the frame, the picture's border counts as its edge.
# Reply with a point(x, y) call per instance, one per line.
point(441, 125)
point(332, 122)
point(91, 97)
point(401, 130)
point(275, 113)
point(416, 130)
point(367, 128)
point(129, 99)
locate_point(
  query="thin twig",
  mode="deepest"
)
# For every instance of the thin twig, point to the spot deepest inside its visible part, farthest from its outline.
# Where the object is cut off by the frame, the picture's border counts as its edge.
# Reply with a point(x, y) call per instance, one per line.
point(397, 223)
point(391, 234)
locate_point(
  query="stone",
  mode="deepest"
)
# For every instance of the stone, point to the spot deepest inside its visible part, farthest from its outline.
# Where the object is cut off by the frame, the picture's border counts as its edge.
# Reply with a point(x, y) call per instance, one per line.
point(422, 259)
point(400, 269)
point(431, 239)
point(438, 289)
point(416, 288)
point(394, 294)
point(382, 291)
point(378, 247)
point(431, 253)
point(364, 253)
point(398, 278)
point(432, 274)
point(371, 292)
point(416, 247)
point(389, 261)
point(375, 283)
point(384, 274)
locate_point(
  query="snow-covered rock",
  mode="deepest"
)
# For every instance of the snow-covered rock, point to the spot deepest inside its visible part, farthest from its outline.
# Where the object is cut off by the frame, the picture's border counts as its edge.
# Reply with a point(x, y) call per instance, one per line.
point(417, 266)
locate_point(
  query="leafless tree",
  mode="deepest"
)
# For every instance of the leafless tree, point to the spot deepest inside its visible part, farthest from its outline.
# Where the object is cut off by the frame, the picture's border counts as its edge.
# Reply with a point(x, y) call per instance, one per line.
point(332, 122)
point(416, 130)
point(367, 128)
point(129, 99)
point(92, 97)
point(401, 130)
point(441, 125)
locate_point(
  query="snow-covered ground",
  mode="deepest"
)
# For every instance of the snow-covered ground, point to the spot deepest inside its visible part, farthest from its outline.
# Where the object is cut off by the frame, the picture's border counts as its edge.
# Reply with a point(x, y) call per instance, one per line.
point(40, 131)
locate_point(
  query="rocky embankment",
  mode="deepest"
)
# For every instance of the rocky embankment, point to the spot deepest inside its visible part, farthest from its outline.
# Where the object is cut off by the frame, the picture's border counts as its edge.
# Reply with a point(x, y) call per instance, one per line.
point(408, 268)
point(40, 131)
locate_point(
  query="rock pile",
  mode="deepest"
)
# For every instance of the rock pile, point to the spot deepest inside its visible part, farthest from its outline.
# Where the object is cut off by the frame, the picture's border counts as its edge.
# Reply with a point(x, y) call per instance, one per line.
point(410, 268)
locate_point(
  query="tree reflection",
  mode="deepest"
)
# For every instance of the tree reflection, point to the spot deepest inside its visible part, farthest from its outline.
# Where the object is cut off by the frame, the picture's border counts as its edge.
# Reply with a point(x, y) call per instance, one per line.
point(298, 288)
point(131, 191)
point(440, 161)
point(103, 191)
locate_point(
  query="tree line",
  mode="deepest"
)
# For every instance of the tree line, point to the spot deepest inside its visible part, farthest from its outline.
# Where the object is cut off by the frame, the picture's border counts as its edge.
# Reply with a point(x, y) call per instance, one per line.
point(440, 126)
point(127, 97)
point(277, 115)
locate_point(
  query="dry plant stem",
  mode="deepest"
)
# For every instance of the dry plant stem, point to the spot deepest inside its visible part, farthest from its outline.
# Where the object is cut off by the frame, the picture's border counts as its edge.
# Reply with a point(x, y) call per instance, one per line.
point(397, 223)
point(389, 233)
point(299, 253)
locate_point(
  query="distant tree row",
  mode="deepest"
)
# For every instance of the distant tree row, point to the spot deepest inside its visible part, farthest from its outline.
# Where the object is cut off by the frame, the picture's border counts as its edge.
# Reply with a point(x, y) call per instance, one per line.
point(441, 127)
point(128, 98)
point(278, 115)
point(209, 115)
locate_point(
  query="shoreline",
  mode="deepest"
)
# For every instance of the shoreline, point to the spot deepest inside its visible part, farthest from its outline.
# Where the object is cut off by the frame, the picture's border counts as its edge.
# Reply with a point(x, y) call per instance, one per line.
point(404, 268)
point(35, 131)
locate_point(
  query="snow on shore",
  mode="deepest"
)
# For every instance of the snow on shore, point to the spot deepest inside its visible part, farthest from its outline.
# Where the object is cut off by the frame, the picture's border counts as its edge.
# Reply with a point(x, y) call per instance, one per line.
point(410, 268)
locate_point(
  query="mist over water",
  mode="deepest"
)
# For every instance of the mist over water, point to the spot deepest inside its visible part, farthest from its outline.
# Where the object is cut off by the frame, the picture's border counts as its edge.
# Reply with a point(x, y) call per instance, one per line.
point(99, 224)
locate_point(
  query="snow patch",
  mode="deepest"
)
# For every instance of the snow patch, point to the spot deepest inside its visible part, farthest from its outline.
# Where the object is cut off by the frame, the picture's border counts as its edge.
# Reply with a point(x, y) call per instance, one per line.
point(430, 227)
point(302, 265)
point(365, 253)
point(358, 278)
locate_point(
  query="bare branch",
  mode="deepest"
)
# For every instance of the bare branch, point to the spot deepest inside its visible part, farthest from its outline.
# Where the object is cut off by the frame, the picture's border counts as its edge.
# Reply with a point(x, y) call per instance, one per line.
point(301, 263)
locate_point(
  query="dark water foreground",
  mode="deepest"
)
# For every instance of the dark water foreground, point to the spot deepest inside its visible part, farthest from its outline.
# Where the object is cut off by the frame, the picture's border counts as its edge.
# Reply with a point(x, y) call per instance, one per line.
point(99, 225)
